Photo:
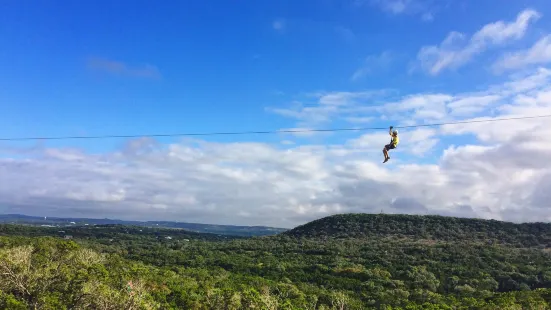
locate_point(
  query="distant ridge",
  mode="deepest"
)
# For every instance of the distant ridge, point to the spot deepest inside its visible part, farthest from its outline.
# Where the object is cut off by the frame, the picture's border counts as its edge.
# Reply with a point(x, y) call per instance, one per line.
point(233, 230)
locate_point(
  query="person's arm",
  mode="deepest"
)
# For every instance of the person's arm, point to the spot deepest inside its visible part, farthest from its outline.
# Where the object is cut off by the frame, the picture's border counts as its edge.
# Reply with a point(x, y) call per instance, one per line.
point(390, 131)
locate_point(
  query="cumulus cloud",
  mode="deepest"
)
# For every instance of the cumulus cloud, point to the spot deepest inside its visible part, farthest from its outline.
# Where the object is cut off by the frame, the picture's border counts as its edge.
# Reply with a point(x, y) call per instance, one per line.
point(428, 107)
point(473, 104)
point(456, 50)
point(502, 173)
point(375, 107)
point(539, 53)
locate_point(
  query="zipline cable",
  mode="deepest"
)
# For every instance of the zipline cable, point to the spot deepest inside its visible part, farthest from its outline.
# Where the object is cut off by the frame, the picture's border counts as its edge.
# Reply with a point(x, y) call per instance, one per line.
point(271, 131)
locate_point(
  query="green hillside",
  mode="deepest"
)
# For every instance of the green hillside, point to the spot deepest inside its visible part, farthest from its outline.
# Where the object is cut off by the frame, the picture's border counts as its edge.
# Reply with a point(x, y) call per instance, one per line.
point(350, 261)
point(425, 227)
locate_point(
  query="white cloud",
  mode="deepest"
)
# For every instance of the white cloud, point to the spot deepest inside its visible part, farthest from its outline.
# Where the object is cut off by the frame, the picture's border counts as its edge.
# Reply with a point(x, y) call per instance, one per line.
point(500, 32)
point(420, 102)
point(539, 53)
point(359, 120)
point(373, 63)
point(502, 173)
point(371, 140)
point(303, 132)
point(305, 114)
point(425, 8)
point(329, 106)
point(531, 102)
point(525, 83)
point(357, 108)
point(455, 51)
point(426, 107)
point(472, 104)
point(394, 6)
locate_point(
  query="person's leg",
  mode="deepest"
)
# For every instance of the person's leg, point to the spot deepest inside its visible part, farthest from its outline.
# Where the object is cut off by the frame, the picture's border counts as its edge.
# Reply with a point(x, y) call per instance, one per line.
point(385, 151)
point(389, 147)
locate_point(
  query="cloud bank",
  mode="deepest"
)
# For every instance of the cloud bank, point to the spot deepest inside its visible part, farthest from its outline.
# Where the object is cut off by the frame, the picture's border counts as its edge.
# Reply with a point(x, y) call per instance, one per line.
point(501, 170)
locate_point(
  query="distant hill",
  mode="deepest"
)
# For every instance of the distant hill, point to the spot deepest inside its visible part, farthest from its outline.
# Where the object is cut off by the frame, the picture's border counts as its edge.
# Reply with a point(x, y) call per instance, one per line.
point(203, 228)
point(113, 233)
point(424, 227)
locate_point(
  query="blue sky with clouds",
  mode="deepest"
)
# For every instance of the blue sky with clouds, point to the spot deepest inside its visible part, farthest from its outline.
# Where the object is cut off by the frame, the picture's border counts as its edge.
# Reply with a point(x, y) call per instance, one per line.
point(132, 67)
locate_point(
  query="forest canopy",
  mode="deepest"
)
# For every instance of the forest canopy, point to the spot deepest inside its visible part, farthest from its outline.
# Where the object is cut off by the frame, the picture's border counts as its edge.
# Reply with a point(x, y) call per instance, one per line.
point(350, 261)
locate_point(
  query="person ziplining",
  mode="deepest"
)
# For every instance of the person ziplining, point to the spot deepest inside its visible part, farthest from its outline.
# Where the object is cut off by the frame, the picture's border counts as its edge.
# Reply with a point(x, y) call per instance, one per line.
point(394, 140)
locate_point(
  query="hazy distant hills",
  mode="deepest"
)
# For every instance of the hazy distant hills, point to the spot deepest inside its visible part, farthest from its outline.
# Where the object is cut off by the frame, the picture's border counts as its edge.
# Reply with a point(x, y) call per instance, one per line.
point(203, 228)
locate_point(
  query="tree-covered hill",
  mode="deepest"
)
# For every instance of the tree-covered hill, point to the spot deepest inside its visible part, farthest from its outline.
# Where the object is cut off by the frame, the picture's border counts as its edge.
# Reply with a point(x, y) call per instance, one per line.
point(350, 261)
point(424, 227)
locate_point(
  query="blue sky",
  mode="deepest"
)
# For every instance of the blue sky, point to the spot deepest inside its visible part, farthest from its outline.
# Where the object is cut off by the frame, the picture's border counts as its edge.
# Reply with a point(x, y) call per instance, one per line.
point(219, 65)
point(131, 67)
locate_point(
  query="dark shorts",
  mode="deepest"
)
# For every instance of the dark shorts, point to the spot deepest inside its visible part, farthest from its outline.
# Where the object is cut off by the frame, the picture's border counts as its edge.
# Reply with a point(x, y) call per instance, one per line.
point(389, 146)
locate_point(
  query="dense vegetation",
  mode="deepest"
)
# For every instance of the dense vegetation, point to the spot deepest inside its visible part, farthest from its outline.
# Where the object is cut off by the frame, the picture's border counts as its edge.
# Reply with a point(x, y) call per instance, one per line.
point(425, 227)
point(340, 262)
